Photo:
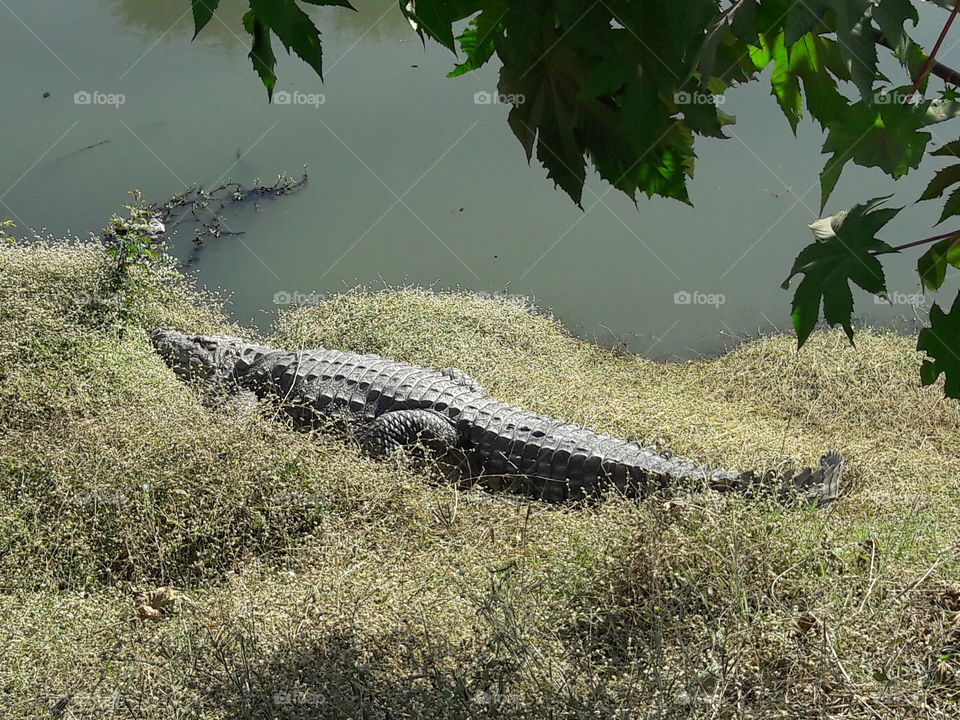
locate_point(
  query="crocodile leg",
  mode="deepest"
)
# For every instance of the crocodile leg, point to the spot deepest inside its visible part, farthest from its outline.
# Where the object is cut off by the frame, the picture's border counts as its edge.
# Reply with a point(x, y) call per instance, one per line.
point(400, 428)
point(820, 486)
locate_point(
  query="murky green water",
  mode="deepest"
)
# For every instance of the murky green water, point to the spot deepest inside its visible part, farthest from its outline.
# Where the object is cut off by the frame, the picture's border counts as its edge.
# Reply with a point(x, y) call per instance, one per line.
point(411, 181)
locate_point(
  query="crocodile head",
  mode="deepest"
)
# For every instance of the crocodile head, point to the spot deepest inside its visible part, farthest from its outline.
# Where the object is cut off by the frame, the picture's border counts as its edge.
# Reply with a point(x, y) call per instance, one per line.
point(199, 357)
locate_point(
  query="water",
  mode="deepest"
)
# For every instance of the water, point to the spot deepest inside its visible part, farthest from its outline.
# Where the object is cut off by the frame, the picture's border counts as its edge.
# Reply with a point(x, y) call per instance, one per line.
point(411, 181)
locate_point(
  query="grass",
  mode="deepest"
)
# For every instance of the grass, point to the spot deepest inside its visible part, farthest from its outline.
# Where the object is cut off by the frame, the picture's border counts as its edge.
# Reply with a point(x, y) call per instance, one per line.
point(313, 582)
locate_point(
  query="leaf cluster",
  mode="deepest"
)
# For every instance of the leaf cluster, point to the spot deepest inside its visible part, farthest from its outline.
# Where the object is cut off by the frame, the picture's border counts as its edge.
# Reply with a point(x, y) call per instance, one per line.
point(626, 87)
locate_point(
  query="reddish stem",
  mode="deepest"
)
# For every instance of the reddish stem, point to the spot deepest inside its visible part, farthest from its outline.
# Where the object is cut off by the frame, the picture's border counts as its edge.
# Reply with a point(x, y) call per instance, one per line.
point(944, 236)
point(936, 48)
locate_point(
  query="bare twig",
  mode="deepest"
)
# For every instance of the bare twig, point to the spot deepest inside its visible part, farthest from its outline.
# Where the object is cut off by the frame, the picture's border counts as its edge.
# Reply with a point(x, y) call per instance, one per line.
point(932, 57)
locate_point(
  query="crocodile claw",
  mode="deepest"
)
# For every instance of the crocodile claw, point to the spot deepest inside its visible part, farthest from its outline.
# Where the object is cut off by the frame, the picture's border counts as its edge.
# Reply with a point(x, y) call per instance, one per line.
point(821, 486)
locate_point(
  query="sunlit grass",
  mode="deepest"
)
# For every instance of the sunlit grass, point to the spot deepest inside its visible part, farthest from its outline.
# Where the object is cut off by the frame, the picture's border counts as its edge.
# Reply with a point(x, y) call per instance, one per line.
point(320, 583)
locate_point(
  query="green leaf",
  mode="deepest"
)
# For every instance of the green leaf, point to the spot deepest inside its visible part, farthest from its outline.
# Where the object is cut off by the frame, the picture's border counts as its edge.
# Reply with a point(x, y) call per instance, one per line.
point(334, 3)
point(477, 41)
point(261, 54)
point(845, 250)
point(431, 17)
point(602, 96)
point(547, 113)
point(202, 12)
point(814, 60)
point(941, 181)
point(855, 37)
point(761, 55)
point(706, 118)
point(784, 80)
point(911, 56)
point(819, 55)
point(949, 94)
point(738, 20)
point(891, 15)
point(932, 265)
point(951, 208)
point(941, 342)
point(945, 178)
point(743, 20)
point(856, 55)
point(804, 60)
point(293, 27)
point(831, 55)
point(800, 21)
point(600, 81)
point(884, 135)
point(951, 149)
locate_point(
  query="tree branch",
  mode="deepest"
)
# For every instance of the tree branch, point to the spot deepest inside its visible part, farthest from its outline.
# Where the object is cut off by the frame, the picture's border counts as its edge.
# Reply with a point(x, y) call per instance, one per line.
point(944, 236)
point(931, 58)
point(937, 68)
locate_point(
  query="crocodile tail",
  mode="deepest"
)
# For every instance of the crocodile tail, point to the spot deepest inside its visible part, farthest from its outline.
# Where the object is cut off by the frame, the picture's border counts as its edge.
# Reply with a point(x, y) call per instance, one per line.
point(821, 486)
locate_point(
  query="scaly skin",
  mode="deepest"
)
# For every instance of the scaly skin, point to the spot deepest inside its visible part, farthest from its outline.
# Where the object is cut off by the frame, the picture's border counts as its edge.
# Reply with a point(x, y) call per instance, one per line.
point(391, 404)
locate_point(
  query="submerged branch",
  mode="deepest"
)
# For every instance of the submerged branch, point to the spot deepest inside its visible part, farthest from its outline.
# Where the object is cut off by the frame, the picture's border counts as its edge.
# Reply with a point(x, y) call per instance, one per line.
point(205, 207)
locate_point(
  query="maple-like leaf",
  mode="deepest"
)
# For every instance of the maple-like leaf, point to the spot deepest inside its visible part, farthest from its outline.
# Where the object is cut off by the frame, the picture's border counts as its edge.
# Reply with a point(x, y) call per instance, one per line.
point(932, 265)
point(478, 39)
point(845, 250)
point(944, 178)
point(941, 343)
point(202, 12)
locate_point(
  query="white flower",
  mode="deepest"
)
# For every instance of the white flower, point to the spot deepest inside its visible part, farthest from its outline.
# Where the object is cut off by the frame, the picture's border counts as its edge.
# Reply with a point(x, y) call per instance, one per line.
point(826, 228)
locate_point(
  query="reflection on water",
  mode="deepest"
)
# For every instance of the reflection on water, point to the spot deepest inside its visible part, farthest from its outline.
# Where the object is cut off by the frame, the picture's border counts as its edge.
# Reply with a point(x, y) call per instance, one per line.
point(170, 20)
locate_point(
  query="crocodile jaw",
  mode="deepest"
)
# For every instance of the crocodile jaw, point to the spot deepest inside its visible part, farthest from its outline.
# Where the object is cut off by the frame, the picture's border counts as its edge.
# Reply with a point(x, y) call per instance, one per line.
point(196, 357)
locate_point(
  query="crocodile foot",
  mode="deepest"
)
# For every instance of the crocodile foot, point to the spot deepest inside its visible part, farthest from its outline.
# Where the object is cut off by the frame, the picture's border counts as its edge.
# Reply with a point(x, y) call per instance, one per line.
point(404, 428)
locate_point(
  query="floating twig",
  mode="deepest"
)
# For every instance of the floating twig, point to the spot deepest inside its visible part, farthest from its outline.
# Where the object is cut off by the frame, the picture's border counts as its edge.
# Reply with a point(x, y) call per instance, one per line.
point(204, 208)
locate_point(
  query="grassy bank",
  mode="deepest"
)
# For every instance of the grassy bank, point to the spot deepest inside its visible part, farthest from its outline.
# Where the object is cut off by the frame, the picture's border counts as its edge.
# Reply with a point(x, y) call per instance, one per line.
point(314, 582)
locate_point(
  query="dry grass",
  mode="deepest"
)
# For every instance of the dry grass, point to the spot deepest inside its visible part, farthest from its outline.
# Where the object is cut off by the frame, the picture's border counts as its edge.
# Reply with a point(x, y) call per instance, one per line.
point(318, 583)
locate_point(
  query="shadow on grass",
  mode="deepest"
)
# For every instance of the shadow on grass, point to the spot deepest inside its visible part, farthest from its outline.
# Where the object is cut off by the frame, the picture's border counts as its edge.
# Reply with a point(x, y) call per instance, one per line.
point(333, 677)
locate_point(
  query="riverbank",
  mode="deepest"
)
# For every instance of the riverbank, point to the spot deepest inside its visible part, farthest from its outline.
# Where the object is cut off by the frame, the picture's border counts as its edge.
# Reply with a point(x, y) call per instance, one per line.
point(315, 582)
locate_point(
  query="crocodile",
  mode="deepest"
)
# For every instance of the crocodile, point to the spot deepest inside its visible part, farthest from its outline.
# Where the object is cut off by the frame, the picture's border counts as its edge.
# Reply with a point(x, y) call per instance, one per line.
point(391, 405)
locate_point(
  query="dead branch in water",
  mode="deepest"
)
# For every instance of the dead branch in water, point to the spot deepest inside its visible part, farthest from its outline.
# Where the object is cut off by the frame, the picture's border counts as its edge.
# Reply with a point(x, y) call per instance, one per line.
point(204, 208)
